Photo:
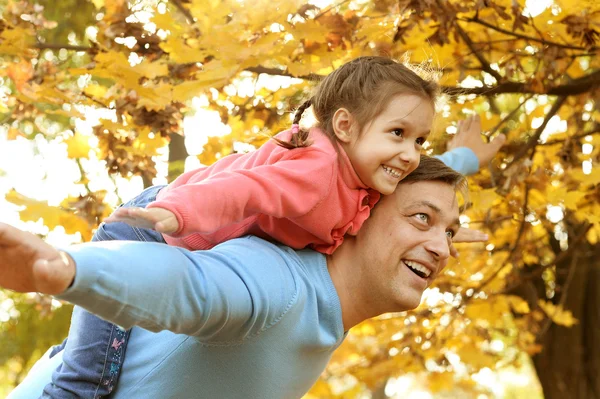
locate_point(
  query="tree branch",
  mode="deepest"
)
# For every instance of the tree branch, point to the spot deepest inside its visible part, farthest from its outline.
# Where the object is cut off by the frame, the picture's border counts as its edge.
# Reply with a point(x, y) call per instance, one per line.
point(595, 130)
point(279, 72)
point(525, 37)
point(563, 295)
point(533, 141)
point(577, 86)
point(509, 116)
point(513, 250)
point(573, 246)
point(329, 9)
point(48, 46)
point(188, 16)
point(485, 65)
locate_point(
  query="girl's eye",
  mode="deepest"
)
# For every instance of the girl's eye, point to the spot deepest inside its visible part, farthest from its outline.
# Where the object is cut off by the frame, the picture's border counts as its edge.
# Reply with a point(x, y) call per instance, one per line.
point(421, 141)
point(450, 234)
point(398, 132)
point(422, 217)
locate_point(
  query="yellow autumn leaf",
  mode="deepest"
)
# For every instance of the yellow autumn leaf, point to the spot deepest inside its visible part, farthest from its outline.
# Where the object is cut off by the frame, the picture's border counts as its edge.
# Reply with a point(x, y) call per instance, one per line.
point(491, 310)
point(475, 357)
point(20, 73)
point(78, 146)
point(96, 91)
point(593, 235)
point(321, 389)
point(155, 98)
point(592, 178)
point(71, 113)
point(16, 41)
point(98, 4)
point(152, 69)
point(13, 133)
point(212, 77)
point(484, 199)
point(572, 198)
point(518, 304)
point(309, 30)
point(569, 197)
point(147, 143)
point(52, 216)
point(557, 314)
point(438, 382)
point(111, 126)
point(115, 65)
point(214, 150)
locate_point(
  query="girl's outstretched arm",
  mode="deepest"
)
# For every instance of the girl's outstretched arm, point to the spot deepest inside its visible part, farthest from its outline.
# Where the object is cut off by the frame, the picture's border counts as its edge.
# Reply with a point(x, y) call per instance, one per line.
point(289, 188)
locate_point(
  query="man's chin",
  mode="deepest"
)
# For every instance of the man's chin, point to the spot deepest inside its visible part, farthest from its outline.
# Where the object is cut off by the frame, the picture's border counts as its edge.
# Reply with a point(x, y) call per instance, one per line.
point(409, 302)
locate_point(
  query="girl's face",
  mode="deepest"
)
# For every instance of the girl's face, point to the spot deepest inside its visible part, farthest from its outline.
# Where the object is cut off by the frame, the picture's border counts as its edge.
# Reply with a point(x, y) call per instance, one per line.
point(389, 147)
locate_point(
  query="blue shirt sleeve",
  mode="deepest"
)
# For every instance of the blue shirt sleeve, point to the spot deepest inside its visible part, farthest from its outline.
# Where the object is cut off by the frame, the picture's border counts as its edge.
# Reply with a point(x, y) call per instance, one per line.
point(461, 159)
point(229, 293)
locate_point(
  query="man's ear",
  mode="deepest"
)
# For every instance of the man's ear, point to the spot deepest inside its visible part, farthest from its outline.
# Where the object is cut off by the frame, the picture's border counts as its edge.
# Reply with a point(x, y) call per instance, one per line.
point(343, 124)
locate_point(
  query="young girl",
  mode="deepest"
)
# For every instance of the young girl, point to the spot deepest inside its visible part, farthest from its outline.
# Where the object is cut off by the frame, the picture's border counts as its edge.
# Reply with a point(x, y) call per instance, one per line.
point(304, 188)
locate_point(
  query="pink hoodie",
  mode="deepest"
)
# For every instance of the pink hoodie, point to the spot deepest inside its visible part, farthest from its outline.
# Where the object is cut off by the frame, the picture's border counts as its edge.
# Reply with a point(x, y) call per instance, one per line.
point(303, 197)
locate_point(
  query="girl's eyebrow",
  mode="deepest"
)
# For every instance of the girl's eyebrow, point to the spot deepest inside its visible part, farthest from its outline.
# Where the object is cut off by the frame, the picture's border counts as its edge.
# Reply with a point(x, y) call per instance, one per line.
point(408, 124)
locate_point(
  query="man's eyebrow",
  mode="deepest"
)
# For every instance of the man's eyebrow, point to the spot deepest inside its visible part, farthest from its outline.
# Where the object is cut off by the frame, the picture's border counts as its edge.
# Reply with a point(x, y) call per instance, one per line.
point(435, 208)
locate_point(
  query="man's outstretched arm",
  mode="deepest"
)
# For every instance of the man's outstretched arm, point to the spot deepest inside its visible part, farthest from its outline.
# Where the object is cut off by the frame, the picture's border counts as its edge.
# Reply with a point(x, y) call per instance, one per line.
point(217, 295)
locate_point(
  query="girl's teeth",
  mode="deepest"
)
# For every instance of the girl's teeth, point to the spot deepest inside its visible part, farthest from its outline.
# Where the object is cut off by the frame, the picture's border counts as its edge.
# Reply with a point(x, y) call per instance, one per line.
point(392, 172)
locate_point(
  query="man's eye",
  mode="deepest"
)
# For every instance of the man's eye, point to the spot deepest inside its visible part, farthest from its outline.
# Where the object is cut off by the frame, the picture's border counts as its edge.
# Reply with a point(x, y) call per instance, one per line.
point(422, 217)
point(450, 234)
point(398, 132)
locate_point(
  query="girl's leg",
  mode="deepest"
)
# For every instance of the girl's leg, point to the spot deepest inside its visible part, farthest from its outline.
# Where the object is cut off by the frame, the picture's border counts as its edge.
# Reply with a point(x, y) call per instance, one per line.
point(94, 351)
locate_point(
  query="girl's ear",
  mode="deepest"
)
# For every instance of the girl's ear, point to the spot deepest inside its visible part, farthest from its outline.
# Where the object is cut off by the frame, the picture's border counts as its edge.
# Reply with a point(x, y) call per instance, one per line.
point(343, 124)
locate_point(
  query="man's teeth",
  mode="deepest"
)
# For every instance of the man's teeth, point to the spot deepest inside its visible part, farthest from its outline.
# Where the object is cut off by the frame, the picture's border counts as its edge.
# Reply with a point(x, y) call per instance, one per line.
point(394, 172)
point(417, 267)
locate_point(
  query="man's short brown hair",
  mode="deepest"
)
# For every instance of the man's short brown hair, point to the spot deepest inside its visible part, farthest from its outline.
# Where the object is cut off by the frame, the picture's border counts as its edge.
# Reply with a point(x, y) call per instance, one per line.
point(432, 169)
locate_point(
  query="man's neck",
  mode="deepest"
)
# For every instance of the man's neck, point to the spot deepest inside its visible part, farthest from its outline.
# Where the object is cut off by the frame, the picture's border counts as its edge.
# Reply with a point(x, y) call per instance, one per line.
point(354, 306)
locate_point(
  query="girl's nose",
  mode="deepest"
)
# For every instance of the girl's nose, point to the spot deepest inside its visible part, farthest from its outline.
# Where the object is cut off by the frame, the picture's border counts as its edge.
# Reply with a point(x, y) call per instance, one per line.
point(408, 155)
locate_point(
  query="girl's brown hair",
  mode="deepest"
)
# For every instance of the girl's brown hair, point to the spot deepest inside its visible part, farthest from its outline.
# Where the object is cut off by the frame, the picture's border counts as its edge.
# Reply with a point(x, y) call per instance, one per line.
point(364, 86)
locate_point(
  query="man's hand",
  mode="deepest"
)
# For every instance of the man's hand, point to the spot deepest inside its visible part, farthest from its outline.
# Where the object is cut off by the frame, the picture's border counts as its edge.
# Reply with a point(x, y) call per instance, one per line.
point(158, 219)
point(28, 264)
point(469, 135)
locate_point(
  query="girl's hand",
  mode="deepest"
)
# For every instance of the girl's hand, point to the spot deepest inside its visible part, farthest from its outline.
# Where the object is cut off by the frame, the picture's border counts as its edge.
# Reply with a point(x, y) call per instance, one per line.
point(469, 135)
point(158, 219)
point(466, 235)
point(469, 235)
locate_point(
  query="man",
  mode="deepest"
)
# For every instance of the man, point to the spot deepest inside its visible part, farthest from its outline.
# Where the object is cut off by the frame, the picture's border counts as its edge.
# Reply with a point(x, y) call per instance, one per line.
point(249, 318)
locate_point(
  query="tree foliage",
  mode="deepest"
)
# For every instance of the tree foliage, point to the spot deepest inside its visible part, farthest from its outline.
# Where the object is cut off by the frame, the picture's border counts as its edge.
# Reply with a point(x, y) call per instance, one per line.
point(536, 79)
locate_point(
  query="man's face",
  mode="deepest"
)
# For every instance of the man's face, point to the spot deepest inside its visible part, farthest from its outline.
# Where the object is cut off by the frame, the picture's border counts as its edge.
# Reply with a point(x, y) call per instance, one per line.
point(405, 244)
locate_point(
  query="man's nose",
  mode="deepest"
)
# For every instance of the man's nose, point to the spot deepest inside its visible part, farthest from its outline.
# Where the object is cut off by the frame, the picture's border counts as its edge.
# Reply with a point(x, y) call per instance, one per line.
point(439, 246)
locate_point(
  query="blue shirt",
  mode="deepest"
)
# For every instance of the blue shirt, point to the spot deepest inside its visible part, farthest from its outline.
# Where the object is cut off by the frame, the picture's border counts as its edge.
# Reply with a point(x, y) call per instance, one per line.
point(247, 319)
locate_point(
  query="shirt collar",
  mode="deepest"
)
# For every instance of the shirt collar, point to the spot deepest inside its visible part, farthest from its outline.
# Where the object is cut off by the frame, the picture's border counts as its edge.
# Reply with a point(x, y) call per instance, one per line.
point(346, 170)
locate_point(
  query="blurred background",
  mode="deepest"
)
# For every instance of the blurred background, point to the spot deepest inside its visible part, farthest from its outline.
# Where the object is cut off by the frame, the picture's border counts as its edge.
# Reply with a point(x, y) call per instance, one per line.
point(101, 98)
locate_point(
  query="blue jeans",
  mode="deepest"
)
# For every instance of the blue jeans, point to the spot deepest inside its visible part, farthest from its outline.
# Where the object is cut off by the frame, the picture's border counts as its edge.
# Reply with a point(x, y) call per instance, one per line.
point(95, 349)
